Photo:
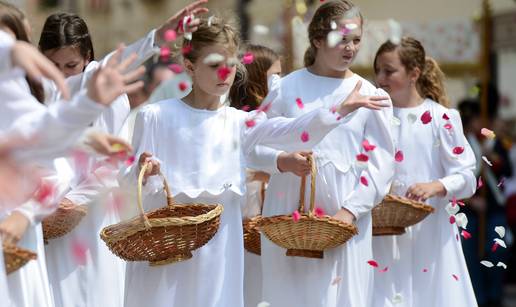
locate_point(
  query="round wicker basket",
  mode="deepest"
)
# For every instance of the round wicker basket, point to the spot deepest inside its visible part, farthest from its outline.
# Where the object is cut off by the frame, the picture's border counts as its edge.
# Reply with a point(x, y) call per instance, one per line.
point(15, 257)
point(165, 235)
point(395, 213)
point(63, 220)
point(311, 234)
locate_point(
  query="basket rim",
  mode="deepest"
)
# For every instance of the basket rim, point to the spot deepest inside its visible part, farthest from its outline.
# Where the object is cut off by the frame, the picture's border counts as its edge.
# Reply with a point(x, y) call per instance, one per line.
point(270, 220)
point(20, 251)
point(405, 201)
point(137, 223)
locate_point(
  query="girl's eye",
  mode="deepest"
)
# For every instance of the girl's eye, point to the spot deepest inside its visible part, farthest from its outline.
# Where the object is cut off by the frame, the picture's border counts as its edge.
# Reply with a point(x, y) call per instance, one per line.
point(71, 66)
point(356, 41)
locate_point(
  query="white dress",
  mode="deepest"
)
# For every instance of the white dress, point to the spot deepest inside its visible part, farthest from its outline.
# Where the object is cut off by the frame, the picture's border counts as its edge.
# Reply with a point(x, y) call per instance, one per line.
point(62, 125)
point(99, 281)
point(426, 266)
point(202, 155)
point(343, 277)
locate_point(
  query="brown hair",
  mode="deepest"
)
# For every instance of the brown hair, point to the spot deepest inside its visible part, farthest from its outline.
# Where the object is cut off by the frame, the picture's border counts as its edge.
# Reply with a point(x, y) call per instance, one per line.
point(320, 25)
point(217, 32)
point(255, 88)
point(13, 18)
point(412, 55)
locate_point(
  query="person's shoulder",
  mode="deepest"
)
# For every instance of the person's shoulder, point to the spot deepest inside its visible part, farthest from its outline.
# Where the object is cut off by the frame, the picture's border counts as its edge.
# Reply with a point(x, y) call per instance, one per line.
point(159, 107)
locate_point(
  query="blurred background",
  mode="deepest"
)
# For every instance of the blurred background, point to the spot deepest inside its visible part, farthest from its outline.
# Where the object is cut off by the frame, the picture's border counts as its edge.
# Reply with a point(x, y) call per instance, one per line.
point(473, 40)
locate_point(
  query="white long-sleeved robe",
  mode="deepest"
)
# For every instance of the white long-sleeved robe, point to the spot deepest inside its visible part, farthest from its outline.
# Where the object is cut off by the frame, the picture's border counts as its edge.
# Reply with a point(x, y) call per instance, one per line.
point(202, 155)
point(422, 262)
point(343, 277)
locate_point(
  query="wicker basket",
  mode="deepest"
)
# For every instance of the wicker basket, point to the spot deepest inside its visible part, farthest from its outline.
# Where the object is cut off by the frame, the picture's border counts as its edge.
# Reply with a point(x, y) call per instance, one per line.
point(395, 213)
point(252, 242)
point(165, 235)
point(310, 235)
point(15, 257)
point(61, 222)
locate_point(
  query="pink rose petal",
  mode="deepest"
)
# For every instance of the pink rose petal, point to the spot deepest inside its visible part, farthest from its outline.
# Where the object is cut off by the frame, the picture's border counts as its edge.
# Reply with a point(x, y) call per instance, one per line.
point(246, 108)
point(130, 161)
point(363, 180)
point(164, 53)
point(455, 277)
point(368, 146)
point(448, 126)
point(384, 269)
point(466, 235)
point(296, 216)
point(248, 58)
point(362, 157)
point(305, 137)
point(494, 247)
point(445, 117)
point(426, 118)
point(399, 156)
point(373, 263)
point(458, 150)
point(250, 123)
point(176, 68)
point(79, 251)
point(488, 133)
point(170, 35)
point(452, 219)
point(319, 212)
point(299, 103)
point(183, 86)
point(480, 183)
point(223, 73)
point(425, 270)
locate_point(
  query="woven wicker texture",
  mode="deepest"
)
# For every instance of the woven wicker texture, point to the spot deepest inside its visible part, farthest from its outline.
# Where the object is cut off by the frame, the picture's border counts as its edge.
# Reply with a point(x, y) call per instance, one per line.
point(15, 257)
point(395, 213)
point(63, 220)
point(310, 235)
point(252, 242)
point(164, 235)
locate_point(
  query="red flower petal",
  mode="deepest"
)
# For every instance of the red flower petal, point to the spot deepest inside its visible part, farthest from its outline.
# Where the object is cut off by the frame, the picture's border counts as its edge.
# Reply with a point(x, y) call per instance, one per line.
point(466, 235)
point(176, 68)
point(399, 156)
point(223, 73)
point(362, 157)
point(250, 123)
point(455, 277)
point(246, 108)
point(296, 216)
point(44, 192)
point(164, 53)
point(130, 160)
point(426, 118)
point(494, 247)
point(368, 146)
point(248, 58)
point(186, 49)
point(458, 150)
point(363, 180)
point(299, 103)
point(170, 35)
point(305, 137)
point(452, 219)
point(373, 263)
point(183, 86)
point(384, 269)
point(445, 117)
point(79, 250)
point(480, 183)
point(425, 270)
point(448, 126)
point(319, 212)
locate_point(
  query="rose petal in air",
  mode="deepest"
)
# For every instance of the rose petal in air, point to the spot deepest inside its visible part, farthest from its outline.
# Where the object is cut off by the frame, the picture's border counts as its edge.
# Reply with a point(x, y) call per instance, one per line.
point(385, 269)
point(452, 219)
point(336, 280)
point(501, 264)
point(466, 235)
point(305, 137)
point(248, 58)
point(445, 117)
point(79, 251)
point(480, 183)
point(368, 146)
point(183, 86)
point(455, 277)
point(299, 103)
point(488, 133)
point(458, 150)
point(319, 212)
point(486, 263)
point(363, 180)
point(250, 123)
point(448, 126)
point(451, 209)
point(494, 247)
point(399, 156)
point(500, 242)
point(500, 230)
point(130, 160)
point(373, 263)
point(223, 73)
point(296, 216)
point(362, 157)
point(176, 68)
point(397, 299)
point(333, 38)
point(170, 35)
point(263, 304)
point(164, 53)
point(486, 160)
point(213, 58)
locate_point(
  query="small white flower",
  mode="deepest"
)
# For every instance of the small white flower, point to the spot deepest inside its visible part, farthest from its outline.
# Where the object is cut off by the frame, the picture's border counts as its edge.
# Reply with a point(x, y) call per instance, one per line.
point(500, 230)
point(486, 263)
point(451, 209)
point(461, 220)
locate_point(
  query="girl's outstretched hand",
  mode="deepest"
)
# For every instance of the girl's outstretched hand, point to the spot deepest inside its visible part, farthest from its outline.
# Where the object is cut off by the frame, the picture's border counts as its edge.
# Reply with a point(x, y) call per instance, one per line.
point(176, 22)
point(355, 100)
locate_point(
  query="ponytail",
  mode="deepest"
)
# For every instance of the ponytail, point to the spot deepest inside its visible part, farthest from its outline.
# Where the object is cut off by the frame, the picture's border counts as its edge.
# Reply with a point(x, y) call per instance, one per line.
point(309, 58)
point(431, 82)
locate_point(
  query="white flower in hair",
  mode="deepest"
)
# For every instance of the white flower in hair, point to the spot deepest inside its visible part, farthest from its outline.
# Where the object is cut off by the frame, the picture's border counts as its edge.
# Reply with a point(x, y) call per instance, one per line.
point(334, 38)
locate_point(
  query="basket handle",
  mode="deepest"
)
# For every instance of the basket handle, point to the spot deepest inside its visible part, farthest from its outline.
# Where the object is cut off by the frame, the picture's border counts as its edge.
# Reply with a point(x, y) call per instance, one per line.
point(302, 189)
point(170, 199)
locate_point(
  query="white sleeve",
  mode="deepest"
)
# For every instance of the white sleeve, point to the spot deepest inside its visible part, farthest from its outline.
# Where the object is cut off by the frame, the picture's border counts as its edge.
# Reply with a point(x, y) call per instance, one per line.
point(6, 43)
point(264, 159)
point(460, 181)
point(53, 131)
point(380, 167)
point(291, 134)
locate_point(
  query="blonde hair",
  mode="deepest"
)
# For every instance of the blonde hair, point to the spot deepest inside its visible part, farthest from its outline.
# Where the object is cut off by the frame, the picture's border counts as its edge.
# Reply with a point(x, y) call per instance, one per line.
point(320, 25)
point(430, 83)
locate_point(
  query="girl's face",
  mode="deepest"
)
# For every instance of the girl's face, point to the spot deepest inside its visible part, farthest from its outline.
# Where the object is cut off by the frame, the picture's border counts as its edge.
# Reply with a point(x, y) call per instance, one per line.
point(275, 69)
point(392, 76)
point(68, 60)
point(340, 57)
point(214, 78)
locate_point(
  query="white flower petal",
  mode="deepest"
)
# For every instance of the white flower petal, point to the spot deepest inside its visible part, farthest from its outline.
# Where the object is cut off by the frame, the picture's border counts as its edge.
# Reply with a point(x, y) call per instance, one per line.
point(461, 220)
point(351, 26)
point(500, 230)
point(333, 25)
point(451, 209)
point(261, 29)
point(486, 263)
point(500, 242)
point(213, 58)
point(334, 38)
point(486, 160)
point(263, 304)
point(501, 264)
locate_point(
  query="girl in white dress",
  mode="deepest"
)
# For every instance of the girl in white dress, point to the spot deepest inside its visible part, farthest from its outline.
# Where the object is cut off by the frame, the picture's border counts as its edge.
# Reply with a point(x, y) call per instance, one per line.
point(65, 40)
point(434, 164)
point(247, 94)
point(346, 189)
point(202, 146)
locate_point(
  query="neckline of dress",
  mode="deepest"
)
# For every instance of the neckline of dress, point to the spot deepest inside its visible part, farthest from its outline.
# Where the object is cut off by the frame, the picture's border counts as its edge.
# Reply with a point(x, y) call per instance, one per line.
point(424, 103)
point(188, 107)
point(354, 76)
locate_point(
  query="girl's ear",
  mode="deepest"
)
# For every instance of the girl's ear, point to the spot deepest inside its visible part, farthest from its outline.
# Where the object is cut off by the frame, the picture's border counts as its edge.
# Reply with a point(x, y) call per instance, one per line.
point(189, 66)
point(414, 75)
point(318, 43)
